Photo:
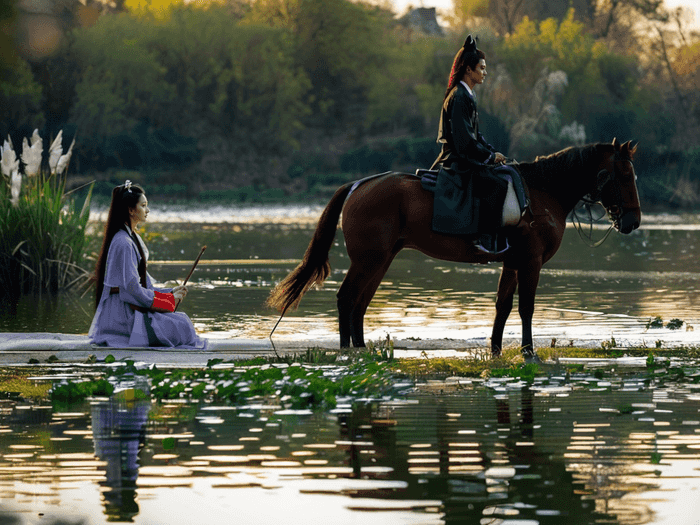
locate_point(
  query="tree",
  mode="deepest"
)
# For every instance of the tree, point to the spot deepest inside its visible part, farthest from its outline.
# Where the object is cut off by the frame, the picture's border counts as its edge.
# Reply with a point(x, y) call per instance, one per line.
point(339, 44)
point(609, 14)
point(149, 83)
point(20, 97)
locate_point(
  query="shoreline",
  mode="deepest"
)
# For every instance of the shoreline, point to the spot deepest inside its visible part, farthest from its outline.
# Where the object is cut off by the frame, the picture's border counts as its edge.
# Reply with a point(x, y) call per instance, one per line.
point(32, 348)
point(308, 214)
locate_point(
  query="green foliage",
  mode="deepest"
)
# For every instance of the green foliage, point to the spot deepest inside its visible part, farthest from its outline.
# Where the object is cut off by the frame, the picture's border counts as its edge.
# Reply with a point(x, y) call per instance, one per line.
point(625, 408)
point(603, 91)
point(217, 95)
point(20, 95)
point(384, 155)
point(674, 324)
point(340, 47)
point(657, 322)
point(293, 385)
point(526, 372)
point(72, 392)
point(42, 239)
point(192, 71)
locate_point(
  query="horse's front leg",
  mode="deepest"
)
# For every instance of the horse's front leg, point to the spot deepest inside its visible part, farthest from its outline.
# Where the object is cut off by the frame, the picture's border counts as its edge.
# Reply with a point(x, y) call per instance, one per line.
point(528, 279)
point(504, 304)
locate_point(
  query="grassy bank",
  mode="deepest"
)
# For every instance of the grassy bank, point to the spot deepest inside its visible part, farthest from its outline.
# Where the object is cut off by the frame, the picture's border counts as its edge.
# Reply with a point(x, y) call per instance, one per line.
point(319, 379)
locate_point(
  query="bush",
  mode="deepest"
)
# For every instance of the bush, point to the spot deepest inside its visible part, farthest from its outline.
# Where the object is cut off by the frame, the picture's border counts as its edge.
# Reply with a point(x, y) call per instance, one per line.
point(42, 231)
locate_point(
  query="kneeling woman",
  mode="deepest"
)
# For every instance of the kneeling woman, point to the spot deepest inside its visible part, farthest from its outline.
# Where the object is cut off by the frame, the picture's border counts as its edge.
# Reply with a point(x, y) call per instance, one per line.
point(130, 311)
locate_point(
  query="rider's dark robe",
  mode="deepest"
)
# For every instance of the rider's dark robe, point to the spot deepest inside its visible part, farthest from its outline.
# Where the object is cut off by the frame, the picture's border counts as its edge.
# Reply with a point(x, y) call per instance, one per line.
point(463, 147)
point(468, 198)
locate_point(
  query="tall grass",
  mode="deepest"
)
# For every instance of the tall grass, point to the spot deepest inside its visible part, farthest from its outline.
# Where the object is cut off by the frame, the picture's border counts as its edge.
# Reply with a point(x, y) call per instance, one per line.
point(42, 236)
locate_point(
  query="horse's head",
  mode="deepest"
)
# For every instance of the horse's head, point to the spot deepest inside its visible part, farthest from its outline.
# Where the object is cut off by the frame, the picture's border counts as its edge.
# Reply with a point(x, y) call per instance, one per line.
point(616, 187)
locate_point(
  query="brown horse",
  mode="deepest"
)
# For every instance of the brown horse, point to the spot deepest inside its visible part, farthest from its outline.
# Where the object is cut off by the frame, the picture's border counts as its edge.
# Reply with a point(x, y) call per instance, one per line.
point(390, 212)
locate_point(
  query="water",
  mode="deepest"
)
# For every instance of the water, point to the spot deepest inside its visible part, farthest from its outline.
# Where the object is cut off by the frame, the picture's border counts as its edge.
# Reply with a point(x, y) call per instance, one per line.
point(579, 450)
point(585, 294)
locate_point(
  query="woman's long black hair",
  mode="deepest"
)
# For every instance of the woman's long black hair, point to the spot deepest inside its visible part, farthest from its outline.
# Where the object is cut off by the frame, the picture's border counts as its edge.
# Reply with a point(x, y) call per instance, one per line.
point(468, 56)
point(124, 198)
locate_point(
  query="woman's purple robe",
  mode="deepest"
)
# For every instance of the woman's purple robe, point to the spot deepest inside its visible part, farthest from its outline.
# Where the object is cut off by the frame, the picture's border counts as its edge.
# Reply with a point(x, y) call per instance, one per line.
point(117, 324)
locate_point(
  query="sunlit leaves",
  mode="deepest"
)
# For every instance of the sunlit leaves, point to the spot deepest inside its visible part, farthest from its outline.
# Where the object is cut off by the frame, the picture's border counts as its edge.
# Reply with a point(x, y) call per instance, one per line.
point(566, 46)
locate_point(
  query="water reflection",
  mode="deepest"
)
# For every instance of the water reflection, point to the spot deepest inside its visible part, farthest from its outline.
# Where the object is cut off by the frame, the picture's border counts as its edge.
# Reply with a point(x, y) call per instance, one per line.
point(583, 449)
point(119, 432)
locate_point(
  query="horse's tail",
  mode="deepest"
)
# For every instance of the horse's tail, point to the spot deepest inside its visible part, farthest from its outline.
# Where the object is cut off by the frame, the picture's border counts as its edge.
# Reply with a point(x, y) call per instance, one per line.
point(314, 267)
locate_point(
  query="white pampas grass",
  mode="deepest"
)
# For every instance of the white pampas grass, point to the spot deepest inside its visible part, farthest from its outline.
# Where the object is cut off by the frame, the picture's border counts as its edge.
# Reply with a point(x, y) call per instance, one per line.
point(55, 152)
point(31, 155)
point(63, 160)
point(15, 187)
point(9, 162)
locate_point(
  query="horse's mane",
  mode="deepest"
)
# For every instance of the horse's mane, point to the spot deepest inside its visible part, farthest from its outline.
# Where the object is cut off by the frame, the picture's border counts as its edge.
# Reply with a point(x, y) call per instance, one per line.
point(546, 171)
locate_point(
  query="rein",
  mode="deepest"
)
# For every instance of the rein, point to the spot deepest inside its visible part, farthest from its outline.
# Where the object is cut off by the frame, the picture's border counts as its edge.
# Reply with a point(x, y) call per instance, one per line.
point(590, 220)
point(590, 200)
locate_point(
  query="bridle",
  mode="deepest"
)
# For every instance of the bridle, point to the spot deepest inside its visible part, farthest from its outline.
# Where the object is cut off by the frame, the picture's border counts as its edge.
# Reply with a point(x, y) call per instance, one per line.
point(593, 198)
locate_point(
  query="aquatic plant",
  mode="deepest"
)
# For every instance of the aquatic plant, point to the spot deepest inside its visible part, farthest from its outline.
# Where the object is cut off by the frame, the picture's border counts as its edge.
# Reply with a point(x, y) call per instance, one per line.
point(293, 386)
point(525, 372)
point(42, 233)
point(674, 324)
point(650, 360)
point(657, 322)
point(72, 391)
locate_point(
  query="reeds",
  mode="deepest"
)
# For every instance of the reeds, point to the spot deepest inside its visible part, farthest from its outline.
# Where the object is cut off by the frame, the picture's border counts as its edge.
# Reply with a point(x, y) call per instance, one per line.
point(42, 234)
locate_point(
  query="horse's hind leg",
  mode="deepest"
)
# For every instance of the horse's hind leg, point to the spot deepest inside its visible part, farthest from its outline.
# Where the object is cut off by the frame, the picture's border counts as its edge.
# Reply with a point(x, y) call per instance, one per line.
point(504, 304)
point(357, 329)
point(356, 292)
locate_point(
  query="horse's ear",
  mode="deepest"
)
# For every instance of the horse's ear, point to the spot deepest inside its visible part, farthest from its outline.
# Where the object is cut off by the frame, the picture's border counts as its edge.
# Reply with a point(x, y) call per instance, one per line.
point(615, 143)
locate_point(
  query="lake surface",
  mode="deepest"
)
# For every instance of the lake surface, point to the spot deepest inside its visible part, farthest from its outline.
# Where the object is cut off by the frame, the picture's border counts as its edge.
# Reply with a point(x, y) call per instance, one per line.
point(585, 294)
point(578, 449)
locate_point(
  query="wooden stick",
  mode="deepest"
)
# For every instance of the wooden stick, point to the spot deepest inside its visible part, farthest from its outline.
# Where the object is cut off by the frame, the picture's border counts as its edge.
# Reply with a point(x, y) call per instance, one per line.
point(196, 261)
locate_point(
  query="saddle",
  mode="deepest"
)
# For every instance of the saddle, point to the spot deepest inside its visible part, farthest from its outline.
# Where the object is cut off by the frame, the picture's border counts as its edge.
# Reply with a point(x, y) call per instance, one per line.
point(476, 204)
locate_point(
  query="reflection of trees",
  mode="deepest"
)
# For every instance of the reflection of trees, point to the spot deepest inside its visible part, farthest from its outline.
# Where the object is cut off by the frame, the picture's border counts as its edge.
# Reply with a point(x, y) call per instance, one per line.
point(119, 431)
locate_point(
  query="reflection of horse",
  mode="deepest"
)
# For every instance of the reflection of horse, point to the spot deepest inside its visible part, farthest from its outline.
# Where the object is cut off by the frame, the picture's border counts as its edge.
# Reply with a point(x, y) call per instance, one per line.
point(392, 212)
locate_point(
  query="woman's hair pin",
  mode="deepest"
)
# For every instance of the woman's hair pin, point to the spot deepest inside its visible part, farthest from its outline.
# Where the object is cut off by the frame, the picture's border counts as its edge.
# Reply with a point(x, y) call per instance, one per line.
point(127, 186)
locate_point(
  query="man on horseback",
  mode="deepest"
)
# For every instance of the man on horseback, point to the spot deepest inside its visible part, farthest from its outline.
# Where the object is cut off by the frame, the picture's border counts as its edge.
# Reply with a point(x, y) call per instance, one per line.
point(466, 156)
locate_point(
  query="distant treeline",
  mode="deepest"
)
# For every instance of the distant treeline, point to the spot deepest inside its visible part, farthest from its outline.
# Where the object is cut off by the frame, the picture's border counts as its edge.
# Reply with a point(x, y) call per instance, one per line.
point(266, 99)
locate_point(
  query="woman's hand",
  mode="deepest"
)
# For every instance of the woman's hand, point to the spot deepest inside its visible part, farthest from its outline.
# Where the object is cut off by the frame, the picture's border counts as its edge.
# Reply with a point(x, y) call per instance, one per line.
point(180, 292)
point(180, 288)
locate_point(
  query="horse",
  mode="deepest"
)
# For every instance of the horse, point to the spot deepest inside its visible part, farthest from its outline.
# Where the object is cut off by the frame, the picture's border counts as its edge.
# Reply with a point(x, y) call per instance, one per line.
point(388, 212)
